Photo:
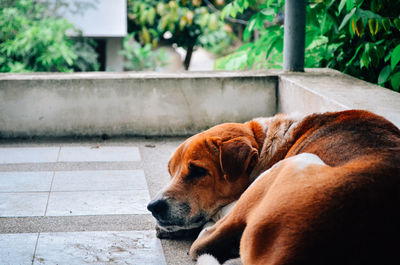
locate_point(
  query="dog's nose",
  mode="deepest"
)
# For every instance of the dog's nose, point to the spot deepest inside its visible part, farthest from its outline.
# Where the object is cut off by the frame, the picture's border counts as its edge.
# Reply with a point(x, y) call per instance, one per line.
point(158, 207)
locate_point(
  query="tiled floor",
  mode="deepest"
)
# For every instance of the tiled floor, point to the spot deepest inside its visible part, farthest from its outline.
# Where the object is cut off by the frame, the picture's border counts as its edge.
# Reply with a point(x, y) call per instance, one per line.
point(17, 248)
point(138, 247)
point(85, 187)
point(28, 155)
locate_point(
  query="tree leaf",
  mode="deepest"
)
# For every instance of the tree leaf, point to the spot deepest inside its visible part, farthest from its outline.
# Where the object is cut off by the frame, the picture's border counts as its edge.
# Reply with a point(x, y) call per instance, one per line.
point(349, 4)
point(384, 75)
point(359, 27)
point(395, 58)
point(373, 26)
point(386, 23)
point(341, 5)
point(396, 22)
point(395, 81)
point(365, 60)
point(354, 56)
point(347, 18)
point(226, 10)
point(268, 11)
point(249, 28)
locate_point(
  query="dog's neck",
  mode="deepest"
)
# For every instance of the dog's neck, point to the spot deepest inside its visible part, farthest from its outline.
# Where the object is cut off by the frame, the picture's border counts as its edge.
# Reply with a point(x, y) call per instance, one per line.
point(275, 141)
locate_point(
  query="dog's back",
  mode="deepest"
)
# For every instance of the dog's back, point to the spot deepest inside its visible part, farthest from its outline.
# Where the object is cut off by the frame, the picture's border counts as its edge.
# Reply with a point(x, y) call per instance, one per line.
point(343, 212)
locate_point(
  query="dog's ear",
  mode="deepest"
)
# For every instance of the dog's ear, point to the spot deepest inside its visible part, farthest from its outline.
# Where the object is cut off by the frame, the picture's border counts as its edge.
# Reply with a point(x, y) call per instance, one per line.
point(237, 156)
point(214, 143)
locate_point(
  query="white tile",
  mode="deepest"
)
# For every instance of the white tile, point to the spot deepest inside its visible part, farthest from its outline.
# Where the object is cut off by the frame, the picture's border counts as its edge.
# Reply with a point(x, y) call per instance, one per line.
point(25, 181)
point(17, 248)
point(23, 204)
point(99, 180)
point(131, 247)
point(98, 203)
point(14, 155)
point(99, 154)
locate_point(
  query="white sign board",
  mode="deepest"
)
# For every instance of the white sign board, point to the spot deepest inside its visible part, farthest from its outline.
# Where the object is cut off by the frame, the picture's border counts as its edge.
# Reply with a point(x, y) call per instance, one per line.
point(107, 18)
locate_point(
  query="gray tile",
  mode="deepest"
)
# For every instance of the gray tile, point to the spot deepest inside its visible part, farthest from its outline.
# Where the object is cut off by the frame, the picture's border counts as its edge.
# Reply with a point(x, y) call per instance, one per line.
point(132, 247)
point(99, 180)
point(14, 155)
point(23, 204)
point(17, 248)
point(25, 181)
point(99, 153)
point(98, 203)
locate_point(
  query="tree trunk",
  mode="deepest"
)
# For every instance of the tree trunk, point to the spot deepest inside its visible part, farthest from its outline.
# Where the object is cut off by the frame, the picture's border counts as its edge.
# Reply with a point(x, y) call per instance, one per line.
point(188, 57)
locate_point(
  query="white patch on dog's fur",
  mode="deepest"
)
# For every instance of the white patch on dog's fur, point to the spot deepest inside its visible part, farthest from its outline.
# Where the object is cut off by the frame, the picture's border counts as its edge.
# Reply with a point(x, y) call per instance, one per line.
point(305, 159)
point(263, 123)
point(207, 259)
point(219, 215)
point(223, 211)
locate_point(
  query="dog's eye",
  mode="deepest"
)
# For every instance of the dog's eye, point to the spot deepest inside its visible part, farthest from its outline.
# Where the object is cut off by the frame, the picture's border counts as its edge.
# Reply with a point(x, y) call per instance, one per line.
point(196, 172)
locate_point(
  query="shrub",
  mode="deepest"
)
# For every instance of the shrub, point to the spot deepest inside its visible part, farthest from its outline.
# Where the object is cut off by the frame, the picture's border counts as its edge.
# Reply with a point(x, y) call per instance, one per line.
point(357, 37)
point(138, 57)
point(31, 40)
point(190, 24)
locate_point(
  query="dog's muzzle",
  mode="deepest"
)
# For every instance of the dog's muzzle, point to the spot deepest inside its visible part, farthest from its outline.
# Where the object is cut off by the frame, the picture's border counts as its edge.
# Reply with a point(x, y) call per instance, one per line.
point(172, 215)
point(158, 208)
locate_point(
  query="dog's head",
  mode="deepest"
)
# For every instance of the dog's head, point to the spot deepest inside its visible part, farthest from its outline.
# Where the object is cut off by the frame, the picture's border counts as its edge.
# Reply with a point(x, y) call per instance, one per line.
point(208, 171)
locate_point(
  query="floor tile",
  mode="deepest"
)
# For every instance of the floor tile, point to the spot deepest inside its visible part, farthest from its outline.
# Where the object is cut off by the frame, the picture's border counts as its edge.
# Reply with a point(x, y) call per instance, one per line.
point(99, 154)
point(17, 248)
point(23, 204)
point(25, 181)
point(100, 180)
point(98, 203)
point(133, 247)
point(11, 155)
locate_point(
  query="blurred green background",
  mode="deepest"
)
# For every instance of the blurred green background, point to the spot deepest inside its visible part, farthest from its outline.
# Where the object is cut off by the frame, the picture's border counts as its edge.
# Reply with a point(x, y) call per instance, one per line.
point(357, 37)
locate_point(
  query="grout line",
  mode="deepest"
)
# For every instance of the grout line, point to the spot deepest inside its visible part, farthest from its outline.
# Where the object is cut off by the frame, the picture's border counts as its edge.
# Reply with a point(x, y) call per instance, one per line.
point(51, 185)
point(34, 252)
point(25, 191)
point(75, 190)
point(48, 197)
point(58, 155)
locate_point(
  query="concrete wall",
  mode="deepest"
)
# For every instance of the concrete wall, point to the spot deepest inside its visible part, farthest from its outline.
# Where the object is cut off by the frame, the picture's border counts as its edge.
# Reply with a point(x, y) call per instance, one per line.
point(320, 90)
point(89, 104)
point(114, 61)
point(83, 104)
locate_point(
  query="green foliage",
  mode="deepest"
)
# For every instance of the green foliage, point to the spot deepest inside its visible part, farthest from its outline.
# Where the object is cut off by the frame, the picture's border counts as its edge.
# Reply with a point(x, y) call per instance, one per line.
point(31, 41)
point(358, 37)
point(263, 33)
point(190, 23)
point(140, 57)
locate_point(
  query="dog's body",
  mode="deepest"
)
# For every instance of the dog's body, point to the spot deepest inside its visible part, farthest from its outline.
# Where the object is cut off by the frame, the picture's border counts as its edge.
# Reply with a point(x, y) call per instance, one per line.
point(339, 204)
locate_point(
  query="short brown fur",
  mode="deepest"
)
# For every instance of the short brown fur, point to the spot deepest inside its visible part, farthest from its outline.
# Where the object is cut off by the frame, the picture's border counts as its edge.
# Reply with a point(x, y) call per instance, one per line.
point(344, 212)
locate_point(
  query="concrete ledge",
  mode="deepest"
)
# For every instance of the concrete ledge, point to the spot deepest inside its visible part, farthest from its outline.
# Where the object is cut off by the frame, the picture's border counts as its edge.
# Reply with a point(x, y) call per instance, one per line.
point(89, 104)
point(174, 104)
point(320, 90)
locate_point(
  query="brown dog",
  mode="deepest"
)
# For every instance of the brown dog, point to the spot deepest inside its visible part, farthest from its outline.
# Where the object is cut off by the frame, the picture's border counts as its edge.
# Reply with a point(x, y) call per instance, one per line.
point(338, 206)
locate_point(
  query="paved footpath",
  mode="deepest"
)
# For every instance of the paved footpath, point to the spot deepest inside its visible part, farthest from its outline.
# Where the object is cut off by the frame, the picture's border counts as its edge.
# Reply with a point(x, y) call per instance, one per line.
point(84, 202)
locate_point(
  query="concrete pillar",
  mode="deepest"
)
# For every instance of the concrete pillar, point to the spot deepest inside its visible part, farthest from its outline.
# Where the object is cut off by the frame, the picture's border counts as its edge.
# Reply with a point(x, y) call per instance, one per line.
point(114, 61)
point(294, 36)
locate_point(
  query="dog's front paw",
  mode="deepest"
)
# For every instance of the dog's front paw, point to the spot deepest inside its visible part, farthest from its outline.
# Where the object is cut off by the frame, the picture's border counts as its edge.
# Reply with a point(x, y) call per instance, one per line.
point(195, 250)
